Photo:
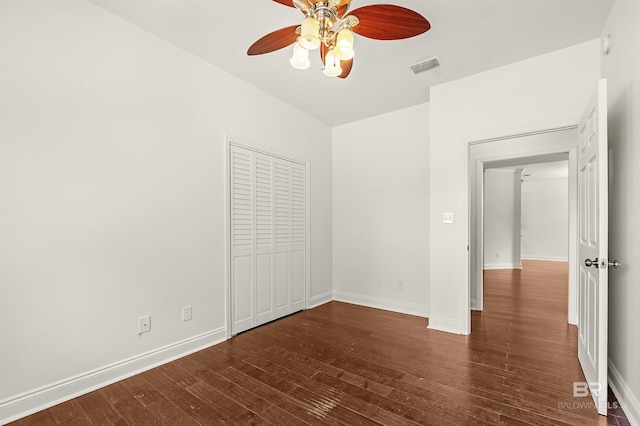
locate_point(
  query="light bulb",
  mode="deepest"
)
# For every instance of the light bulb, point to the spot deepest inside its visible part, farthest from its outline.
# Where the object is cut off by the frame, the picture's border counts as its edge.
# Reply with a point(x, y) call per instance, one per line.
point(341, 55)
point(344, 44)
point(300, 58)
point(332, 65)
point(309, 34)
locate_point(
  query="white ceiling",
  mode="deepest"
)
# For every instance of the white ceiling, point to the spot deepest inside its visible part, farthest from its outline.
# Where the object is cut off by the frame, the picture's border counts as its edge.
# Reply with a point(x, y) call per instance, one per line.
point(469, 36)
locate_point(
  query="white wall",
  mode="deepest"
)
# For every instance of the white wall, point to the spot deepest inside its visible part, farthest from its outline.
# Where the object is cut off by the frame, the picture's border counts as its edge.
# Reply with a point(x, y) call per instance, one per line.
point(545, 219)
point(541, 92)
point(381, 211)
point(502, 218)
point(112, 195)
point(622, 70)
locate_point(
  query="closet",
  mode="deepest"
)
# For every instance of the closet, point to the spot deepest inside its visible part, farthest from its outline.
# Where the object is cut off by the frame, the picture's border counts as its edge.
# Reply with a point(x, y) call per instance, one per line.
point(267, 237)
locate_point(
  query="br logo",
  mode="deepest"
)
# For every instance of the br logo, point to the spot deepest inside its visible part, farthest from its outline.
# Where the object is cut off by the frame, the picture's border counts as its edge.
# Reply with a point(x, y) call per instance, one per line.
point(582, 389)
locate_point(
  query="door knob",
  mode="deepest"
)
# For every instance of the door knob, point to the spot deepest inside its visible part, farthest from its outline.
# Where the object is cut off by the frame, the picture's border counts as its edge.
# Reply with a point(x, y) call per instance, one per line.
point(604, 263)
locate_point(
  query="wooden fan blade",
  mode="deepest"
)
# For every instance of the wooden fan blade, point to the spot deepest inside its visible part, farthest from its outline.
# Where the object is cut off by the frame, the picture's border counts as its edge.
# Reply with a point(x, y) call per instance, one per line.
point(285, 2)
point(274, 41)
point(389, 22)
point(342, 10)
point(346, 68)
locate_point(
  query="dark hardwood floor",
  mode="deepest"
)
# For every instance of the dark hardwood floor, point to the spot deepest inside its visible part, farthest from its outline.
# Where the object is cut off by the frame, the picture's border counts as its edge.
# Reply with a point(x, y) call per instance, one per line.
point(343, 364)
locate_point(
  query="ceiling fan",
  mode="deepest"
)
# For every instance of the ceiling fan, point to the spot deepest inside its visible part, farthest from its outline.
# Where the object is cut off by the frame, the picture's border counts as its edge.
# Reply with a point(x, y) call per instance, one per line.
point(329, 28)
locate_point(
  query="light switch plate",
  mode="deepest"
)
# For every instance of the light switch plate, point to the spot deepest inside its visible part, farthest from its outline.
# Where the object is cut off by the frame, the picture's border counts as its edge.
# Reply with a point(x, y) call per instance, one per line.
point(447, 218)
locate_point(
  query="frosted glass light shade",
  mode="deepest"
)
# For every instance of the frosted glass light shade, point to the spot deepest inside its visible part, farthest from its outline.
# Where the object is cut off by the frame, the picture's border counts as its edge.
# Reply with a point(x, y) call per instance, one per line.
point(300, 58)
point(344, 44)
point(309, 34)
point(332, 65)
point(342, 55)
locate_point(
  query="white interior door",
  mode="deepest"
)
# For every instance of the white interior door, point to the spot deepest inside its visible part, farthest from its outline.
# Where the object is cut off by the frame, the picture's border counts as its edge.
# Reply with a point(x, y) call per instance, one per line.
point(593, 245)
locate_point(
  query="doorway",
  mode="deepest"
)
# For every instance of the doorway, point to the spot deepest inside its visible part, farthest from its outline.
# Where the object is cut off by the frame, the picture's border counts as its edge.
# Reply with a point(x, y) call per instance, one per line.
point(517, 151)
point(526, 214)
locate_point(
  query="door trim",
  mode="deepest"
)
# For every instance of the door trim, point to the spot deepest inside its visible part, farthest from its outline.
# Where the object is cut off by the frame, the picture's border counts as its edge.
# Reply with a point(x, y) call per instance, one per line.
point(476, 165)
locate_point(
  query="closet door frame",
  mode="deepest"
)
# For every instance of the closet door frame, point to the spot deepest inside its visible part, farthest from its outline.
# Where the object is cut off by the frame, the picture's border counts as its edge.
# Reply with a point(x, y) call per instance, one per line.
point(230, 141)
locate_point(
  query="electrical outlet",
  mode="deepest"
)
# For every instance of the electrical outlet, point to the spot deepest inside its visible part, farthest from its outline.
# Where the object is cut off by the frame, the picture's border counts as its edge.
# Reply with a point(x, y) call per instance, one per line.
point(379, 282)
point(400, 285)
point(144, 324)
point(186, 313)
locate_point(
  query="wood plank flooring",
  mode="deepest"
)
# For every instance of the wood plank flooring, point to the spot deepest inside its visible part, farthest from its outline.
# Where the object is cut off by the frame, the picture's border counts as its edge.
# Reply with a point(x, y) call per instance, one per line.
point(342, 364)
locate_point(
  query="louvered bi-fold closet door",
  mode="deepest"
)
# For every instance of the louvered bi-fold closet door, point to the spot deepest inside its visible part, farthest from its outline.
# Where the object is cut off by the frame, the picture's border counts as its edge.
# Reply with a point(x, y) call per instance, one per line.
point(242, 239)
point(265, 292)
point(290, 242)
point(298, 233)
point(268, 238)
point(282, 186)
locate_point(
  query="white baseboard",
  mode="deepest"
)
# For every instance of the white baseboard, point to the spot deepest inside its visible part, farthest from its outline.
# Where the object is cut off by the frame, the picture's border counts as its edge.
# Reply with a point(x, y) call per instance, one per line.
point(546, 258)
point(474, 305)
point(386, 304)
point(629, 402)
point(446, 325)
point(320, 299)
point(39, 399)
point(502, 266)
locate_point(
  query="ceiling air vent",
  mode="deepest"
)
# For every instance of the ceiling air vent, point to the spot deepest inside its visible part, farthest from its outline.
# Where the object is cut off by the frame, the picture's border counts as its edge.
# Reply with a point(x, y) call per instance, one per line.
point(426, 65)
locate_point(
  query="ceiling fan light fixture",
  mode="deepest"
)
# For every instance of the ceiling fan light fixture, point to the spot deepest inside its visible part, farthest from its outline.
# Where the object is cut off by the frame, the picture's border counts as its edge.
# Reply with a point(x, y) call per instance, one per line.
point(330, 25)
point(300, 58)
point(332, 65)
point(309, 34)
